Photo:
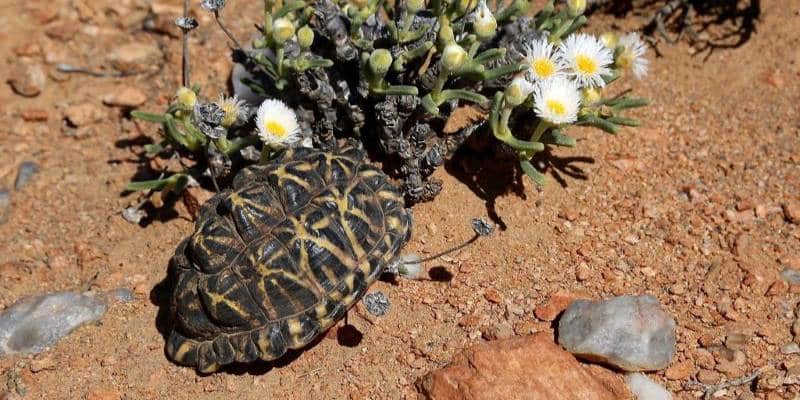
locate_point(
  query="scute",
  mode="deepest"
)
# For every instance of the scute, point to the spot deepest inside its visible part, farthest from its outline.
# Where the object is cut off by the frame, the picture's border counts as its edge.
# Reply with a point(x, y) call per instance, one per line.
point(278, 259)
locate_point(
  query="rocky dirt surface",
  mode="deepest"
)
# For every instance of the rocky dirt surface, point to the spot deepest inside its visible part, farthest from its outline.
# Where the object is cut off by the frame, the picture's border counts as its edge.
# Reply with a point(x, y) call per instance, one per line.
point(699, 208)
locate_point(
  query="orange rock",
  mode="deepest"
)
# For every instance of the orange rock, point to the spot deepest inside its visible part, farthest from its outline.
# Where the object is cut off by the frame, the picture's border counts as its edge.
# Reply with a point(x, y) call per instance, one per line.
point(558, 302)
point(529, 367)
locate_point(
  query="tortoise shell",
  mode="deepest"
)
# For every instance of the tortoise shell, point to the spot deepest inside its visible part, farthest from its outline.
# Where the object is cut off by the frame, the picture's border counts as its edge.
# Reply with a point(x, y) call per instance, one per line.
point(279, 258)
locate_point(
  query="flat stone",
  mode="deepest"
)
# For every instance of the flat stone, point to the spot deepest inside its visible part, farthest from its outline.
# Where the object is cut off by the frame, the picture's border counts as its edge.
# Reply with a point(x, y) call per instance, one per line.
point(84, 114)
point(632, 333)
point(33, 324)
point(501, 330)
point(528, 367)
point(791, 211)
point(27, 79)
point(25, 173)
point(135, 57)
point(125, 96)
point(791, 276)
point(5, 205)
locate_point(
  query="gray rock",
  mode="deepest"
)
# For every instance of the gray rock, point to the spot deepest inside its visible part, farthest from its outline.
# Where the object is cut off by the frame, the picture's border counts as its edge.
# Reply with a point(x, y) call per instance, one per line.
point(377, 304)
point(645, 388)
point(33, 324)
point(632, 333)
point(791, 276)
point(5, 205)
point(133, 215)
point(26, 171)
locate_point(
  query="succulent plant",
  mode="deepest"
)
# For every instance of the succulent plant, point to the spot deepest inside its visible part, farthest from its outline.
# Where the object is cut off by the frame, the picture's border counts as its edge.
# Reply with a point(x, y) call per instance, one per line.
point(394, 75)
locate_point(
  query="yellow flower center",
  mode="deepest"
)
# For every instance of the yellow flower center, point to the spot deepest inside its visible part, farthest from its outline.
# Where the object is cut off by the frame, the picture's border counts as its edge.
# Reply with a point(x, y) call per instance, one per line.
point(231, 113)
point(543, 67)
point(585, 64)
point(276, 129)
point(625, 60)
point(556, 107)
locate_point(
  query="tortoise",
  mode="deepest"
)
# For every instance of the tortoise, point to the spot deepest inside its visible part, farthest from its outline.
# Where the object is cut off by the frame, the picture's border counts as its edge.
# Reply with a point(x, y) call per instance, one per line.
point(282, 256)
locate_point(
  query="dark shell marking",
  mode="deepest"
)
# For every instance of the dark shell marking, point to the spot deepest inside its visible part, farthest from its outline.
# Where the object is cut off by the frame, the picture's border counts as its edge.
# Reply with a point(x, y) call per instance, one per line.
point(282, 256)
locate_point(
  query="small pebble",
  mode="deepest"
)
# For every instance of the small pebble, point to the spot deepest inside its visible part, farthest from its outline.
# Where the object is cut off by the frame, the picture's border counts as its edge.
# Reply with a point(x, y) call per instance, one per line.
point(33, 324)
point(83, 114)
point(481, 227)
point(377, 304)
point(5, 205)
point(645, 388)
point(135, 57)
point(125, 96)
point(133, 215)
point(120, 294)
point(790, 348)
point(27, 80)
point(26, 171)
point(632, 333)
point(791, 276)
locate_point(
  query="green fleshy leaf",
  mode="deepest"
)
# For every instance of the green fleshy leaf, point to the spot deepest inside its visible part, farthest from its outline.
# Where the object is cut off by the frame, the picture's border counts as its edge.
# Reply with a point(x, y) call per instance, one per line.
point(504, 70)
point(599, 123)
point(556, 137)
point(624, 121)
point(398, 90)
point(429, 105)
point(489, 55)
point(172, 133)
point(153, 149)
point(623, 103)
point(463, 95)
point(149, 117)
point(532, 172)
point(288, 8)
point(155, 184)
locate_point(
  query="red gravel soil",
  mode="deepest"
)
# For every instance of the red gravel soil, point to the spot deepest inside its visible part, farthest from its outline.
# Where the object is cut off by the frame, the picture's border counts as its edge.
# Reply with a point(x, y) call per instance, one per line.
point(695, 208)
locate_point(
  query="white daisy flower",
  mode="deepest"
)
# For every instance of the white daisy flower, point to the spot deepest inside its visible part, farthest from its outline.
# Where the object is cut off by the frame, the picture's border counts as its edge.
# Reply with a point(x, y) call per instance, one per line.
point(542, 60)
point(586, 59)
point(557, 100)
point(234, 109)
point(277, 123)
point(632, 56)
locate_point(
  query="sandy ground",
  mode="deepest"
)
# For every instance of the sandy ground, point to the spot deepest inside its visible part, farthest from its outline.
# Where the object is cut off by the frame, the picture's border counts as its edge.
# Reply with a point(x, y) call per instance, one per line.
point(686, 208)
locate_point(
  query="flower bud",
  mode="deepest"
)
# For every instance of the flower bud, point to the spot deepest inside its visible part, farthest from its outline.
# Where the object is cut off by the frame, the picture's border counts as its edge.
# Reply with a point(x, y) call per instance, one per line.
point(590, 96)
point(609, 39)
point(485, 24)
point(305, 37)
point(282, 30)
point(518, 91)
point(380, 61)
point(186, 98)
point(576, 7)
point(453, 57)
point(446, 35)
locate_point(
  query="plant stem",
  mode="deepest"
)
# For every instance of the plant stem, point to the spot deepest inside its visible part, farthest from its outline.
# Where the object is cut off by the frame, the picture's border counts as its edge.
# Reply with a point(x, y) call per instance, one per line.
point(539, 131)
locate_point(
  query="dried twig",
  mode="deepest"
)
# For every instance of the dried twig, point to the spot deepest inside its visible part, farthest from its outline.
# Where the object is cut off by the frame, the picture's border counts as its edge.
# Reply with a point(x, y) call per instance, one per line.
point(709, 390)
point(224, 29)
